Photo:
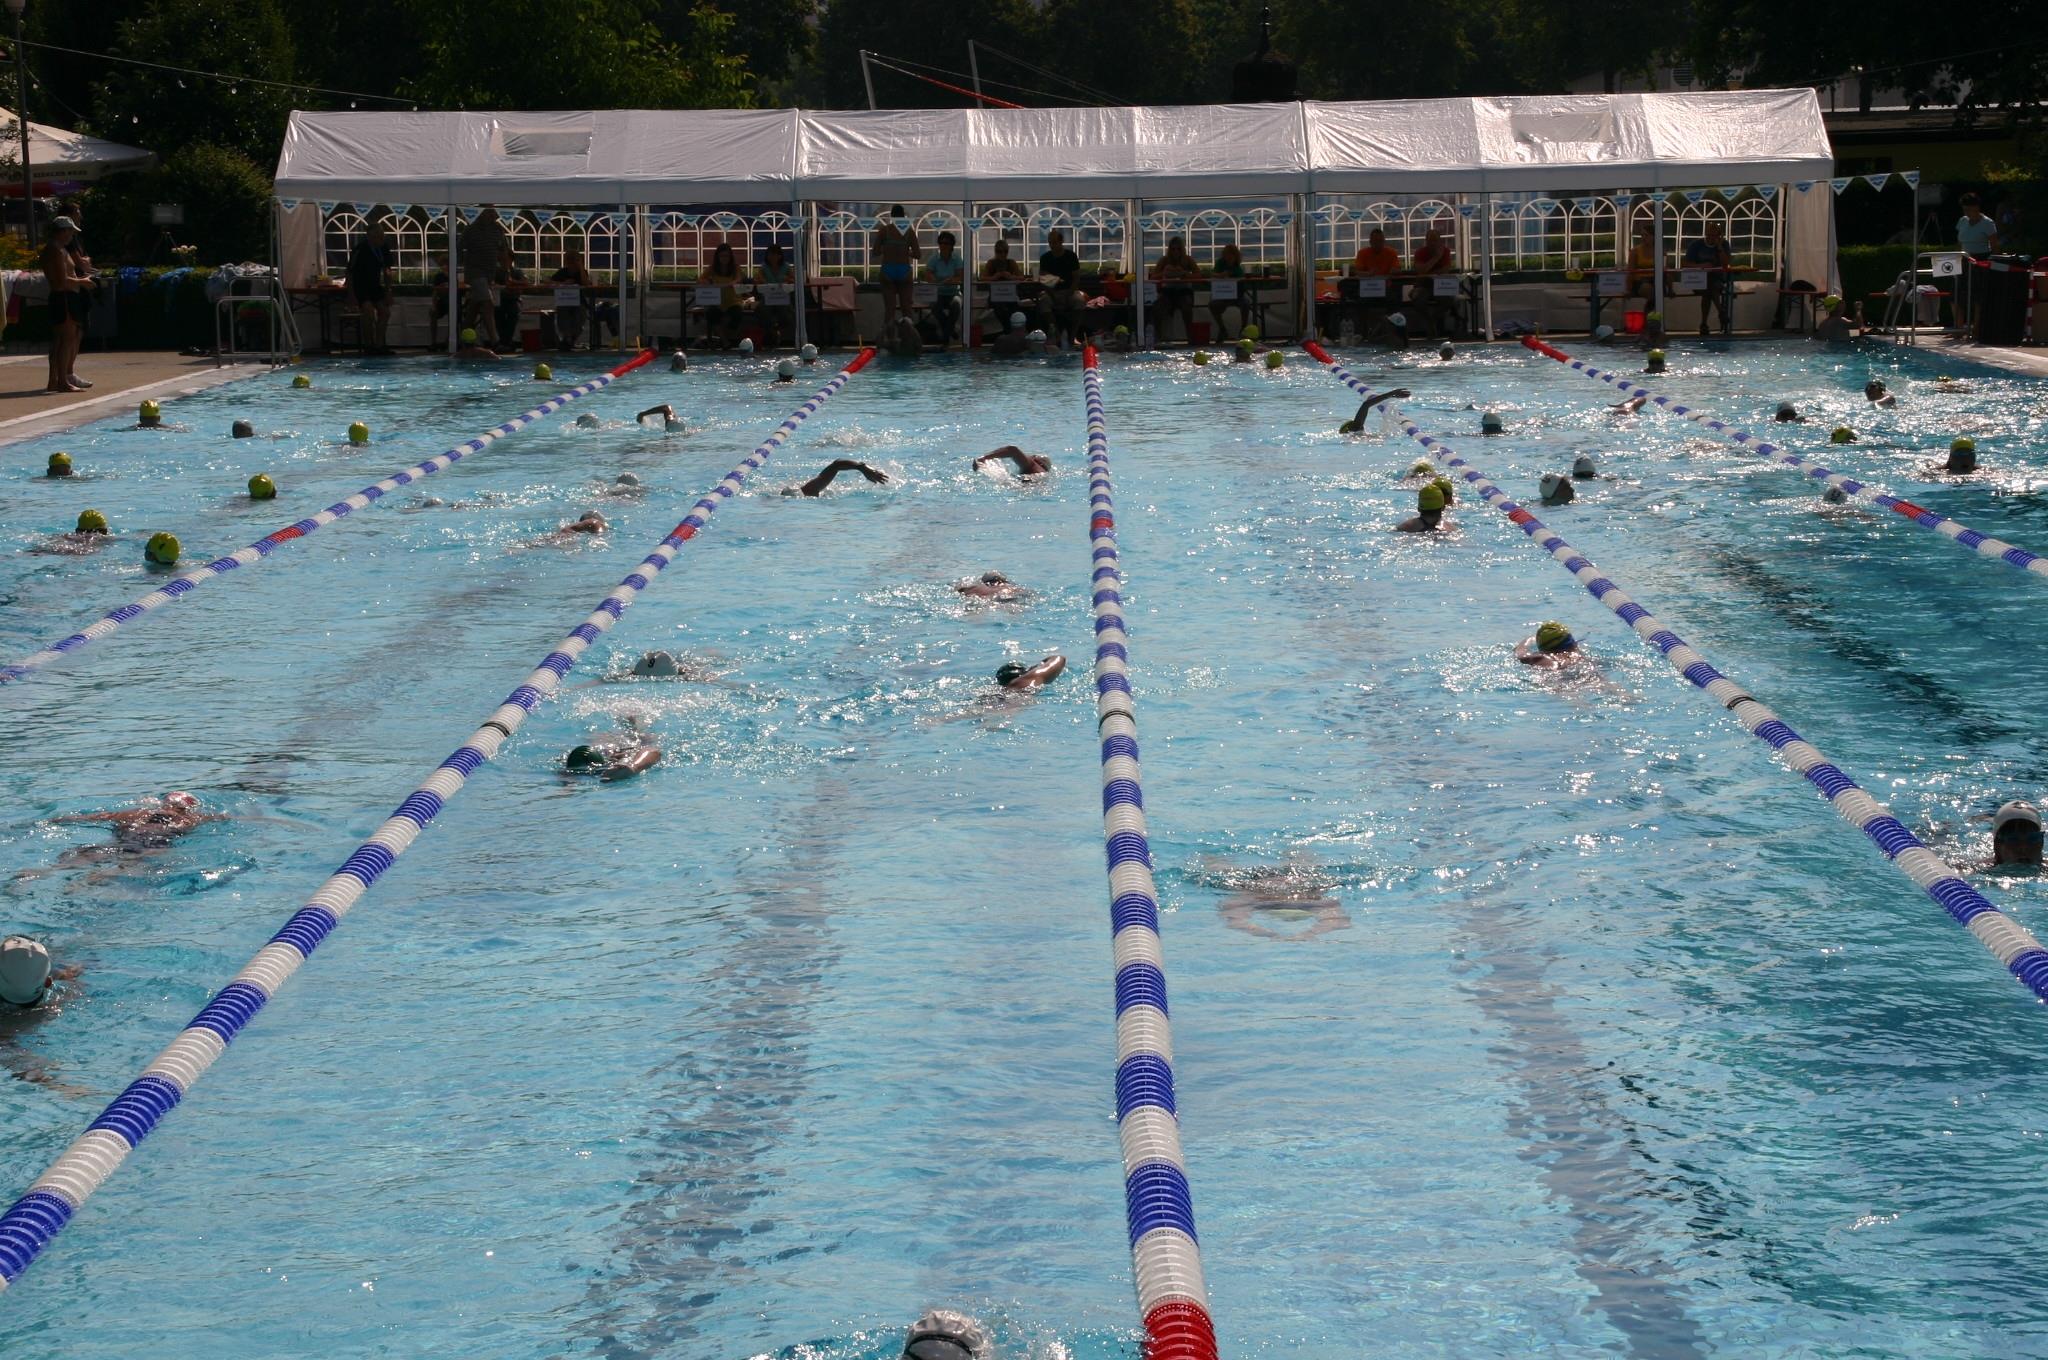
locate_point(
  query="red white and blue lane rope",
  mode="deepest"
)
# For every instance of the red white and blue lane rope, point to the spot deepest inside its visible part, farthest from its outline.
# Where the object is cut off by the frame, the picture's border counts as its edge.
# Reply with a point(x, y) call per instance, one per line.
point(2013, 944)
point(271, 542)
point(1984, 545)
point(41, 1213)
point(1166, 1260)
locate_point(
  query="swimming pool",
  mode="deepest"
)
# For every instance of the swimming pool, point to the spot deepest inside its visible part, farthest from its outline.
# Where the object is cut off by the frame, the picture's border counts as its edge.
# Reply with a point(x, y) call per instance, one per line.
point(1618, 1042)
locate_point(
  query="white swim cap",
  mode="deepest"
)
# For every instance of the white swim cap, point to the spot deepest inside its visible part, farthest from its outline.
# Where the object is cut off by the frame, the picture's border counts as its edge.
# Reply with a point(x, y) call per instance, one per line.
point(625, 479)
point(747, 344)
point(1582, 466)
point(586, 421)
point(1036, 337)
point(1551, 482)
point(2015, 811)
point(671, 424)
point(1603, 332)
point(1446, 350)
point(1397, 319)
point(809, 352)
point(1016, 320)
point(785, 368)
point(1490, 420)
point(951, 1335)
point(25, 970)
point(655, 663)
point(680, 363)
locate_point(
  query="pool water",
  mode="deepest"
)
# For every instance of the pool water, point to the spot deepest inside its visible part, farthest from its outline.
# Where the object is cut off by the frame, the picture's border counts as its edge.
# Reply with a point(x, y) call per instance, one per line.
point(1589, 1030)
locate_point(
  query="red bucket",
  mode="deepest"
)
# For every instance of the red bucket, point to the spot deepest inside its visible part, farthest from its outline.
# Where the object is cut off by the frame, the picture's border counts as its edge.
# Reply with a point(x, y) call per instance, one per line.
point(1632, 322)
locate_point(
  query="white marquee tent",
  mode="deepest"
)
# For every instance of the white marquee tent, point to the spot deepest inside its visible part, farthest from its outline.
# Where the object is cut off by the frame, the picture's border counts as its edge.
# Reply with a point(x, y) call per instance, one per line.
point(1506, 145)
point(62, 156)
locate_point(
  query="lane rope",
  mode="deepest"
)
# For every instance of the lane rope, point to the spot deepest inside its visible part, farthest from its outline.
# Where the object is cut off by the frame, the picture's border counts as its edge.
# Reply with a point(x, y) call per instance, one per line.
point(271, 542)
point(1166, 1259)
point(1984, 545)
point(55, 1196)
point(2012, 944)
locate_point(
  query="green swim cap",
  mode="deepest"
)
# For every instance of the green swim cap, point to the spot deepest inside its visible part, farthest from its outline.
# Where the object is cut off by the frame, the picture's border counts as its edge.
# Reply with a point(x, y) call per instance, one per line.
point(1422, 469)
point(1201, 356)
point(60, 465)
point(358, 433)
point(1656, 356)
point(468, 335)
point(1009, 671)
point(1962, 443)
point(542, 373)
point(1244, 342)
point(162, 548)
point(1251, 332)
point(1842, 435)
point(1553, 637)
point(1653, 316)
point(1831, 301)
point(151, 413)
point(261, 488)
point(1274, 358)
point(1121, 330)
point(584, 758)
point(92, 522)
point(301, 380)
point(1444, 485)
point(1430, 498)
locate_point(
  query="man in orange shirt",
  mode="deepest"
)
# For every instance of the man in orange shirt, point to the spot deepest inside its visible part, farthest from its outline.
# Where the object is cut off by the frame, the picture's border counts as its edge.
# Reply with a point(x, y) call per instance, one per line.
point(1375, 257)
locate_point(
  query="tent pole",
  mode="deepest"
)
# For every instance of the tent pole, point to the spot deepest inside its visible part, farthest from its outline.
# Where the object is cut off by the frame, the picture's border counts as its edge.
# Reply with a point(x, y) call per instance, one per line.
point(1134, 241)
point(640, 244)
point(1305, 263)
point(1486, 267)
point(800, 269)
point(974, 68)
point(625, 269)
point(454, 277)
point(1657, 258)
point(1912, 297)
point(965, 321)
point(867, 75)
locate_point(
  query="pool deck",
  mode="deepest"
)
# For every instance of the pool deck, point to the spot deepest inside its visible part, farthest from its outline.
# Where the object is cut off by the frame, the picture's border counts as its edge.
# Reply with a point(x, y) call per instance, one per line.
point(118, 378)
point(2030, 362)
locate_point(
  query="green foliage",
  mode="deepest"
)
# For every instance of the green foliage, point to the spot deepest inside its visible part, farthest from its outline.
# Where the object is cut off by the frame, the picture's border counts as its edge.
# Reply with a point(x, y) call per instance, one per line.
point(1140, 51)
point(934, 32)
point(226, 197)
point(775, 38)
point(1871, 269)
point(163, 111)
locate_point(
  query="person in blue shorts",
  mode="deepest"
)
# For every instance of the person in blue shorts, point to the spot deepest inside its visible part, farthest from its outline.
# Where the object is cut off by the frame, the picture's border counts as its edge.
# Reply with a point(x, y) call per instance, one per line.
point(896, 248)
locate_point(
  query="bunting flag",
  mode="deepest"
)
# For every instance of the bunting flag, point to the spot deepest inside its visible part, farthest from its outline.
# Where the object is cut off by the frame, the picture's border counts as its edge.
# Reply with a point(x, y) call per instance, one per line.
point(1879, 181)
point(1695, 195)
point(865, 223)
point(1731, 192)
point(469, 214)
point(974, 224)
point(363, 209)
point(1911, 177)
point(543, 216)
point(1767, 192)
point(1331, 213)
point(1285, 219)
point(581, 217)
point(1584, 205)
point(1802, 185)
point(1624, 198)
point(1467, 209)
point(288, 204)
point(1842, 182)
point(1395, 212)
point(401, 209)
point(326, 206)
point(689, 219)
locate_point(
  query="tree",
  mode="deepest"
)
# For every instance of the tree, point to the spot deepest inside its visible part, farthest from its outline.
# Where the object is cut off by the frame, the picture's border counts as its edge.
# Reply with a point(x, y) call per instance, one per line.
point(776, 38)
point(1140, 51)
point(932, 32)
point(163, 111)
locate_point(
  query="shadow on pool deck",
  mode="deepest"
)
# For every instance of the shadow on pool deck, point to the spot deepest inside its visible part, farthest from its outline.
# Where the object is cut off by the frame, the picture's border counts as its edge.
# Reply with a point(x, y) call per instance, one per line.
point(118, 378)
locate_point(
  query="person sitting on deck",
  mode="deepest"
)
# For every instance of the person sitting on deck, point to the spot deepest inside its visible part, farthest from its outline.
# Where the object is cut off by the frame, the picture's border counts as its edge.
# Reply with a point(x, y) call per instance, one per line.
point(944, 269)
point(778, 319)
point(1062, 303)
point(1175, 273)
point(1229, 265)
point(1432, 257)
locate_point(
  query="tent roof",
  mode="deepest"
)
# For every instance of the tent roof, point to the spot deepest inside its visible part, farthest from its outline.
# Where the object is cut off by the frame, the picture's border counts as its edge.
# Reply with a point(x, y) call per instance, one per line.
point(730, 155)
point(58, 154)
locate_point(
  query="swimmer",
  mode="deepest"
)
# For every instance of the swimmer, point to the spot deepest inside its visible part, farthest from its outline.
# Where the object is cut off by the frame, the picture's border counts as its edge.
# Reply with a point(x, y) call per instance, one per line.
point(470, 349)
point(619, 755)
point(1357, 421)
point(679, 362)
point(1446, 351)
point(154, 825)
point(1291, 893)
point(625, 487)
point(1391, 328)
point(1015, 675)
point(1429, 512)
point(2016, 835)
point(1448, 487)
point(1583, 469)
point(816, 486)
point(1558, 489)
point(1874, 393)
point(656, 665)
point(1491, 423)
point(992, 585)
point(670, 422)
point(242, 429)
point(1629, 407)
point(1553, 648)
point(30, 993)
point(942, 1334)
point(1834, 495)
point(1028, 464)
point(1241, 352)
point(1788, 414)
point(1603, 333)
point(1422, 469)
point(587, 421)
point(59, 466)
point(1944, 383)
point(1962, 455)
point(785, 370)
point(809, 353)
point(589, 522)
point(90, 536)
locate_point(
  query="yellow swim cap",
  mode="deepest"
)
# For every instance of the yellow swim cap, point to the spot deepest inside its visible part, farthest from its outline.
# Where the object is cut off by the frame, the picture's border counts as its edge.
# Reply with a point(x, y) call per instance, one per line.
point(1422, 469)
point(1553, 637)
point(1201, 356)
point(261, 488)
point(1274, 358)
point(1251, 332)
point(468, 336)
point(60, 465)
point(91, 522)
point(1656, 356)
point(1430, 498)
point(151, 413)
point(301, 380)
point(542, 373)
point(162, 548)
point(1444, 485)
point(358, 433)
point(1962, 443)
point(1842, 435)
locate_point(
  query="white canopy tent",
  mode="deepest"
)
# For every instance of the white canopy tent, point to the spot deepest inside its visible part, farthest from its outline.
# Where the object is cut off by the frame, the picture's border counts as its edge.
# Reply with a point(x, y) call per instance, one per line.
point(632, 158)
point(58, 155)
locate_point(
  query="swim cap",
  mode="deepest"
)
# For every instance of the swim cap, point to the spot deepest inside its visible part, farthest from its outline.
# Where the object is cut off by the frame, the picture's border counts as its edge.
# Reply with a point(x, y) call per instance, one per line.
point(1121, 330)
point(1554, 637)
point(542, 373)
point(468, 336)
point(746, 344)
point(24, 970)
point(679, 363)
point(809, 353)
point(1422, 469)
point(261, 488)
point(1036, 337)
point(1274, 358)
point(162, 548)
point(1201, 356)
point(584, 758)
point(1016, 320)
point(181, 799)
point(1252, 332)
point(1787, 411)
point(92, 522)
point(242, 429)
point(1009, 671)
point(994, 578)
point(2015, 811)
point(1430, 499)
point(785, 369)
point(586, 421)
point(1656, 356)
point(1873, 389)
point(656, 663)
point(1446, 350)
point(358, 433)
point(625, 479)
point(1842, 435)
point(1834, 495)
point(942, 1334)
point(1450, 491)
point(301, 380)
point(1550, 482)
point(1582, 466)
point(1491, 422)
point(1397, 321)
point(60, 465)
point(1962, 443)
point(151, 413)
point(1603, 332)
point(1653, 316)
point(1831, 301)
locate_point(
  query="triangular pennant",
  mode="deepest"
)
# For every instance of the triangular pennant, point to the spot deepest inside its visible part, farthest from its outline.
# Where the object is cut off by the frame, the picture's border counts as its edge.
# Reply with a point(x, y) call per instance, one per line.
point(1624, 198)
point(326, 205)
point(866, 224)
point(543, 215)
point(469, 214)
point(1911, 177)
point(1731, 192)
point(1584, 205)
point(1802, 185)
point(400, 209)
point(690, 220)
point(1467, 209)
point(288, 203)
point(1767, 192)
point(1842, 182)
point(1878, 181)
point(581, 217)
point(1284, 219)
point(1395, 212)
point(362, 209)
point(1695, 195)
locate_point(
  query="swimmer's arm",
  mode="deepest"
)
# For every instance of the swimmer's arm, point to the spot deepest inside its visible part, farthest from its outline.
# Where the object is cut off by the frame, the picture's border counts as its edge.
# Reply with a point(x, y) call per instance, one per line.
point(665, 410)
point(832, 469)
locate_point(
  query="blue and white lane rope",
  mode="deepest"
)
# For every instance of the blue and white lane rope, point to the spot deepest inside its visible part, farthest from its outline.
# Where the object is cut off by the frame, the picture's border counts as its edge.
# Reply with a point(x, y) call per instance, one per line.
point(271, 542)
point(41, 1213)
point(1984, 545)
point(1165, 1257)
point(2013, 944)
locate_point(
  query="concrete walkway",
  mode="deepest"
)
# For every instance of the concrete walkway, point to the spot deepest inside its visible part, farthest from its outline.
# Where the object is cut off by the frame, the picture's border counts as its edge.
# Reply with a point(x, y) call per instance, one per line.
point(2031, 362)
point(119, 380)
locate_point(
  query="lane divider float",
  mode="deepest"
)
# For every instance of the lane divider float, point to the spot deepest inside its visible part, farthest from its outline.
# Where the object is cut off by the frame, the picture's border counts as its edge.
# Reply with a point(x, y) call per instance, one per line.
point(1984, 545)
point(2012, 944)
point(271, 542)
point(1166, 1259)
point(50, 1202)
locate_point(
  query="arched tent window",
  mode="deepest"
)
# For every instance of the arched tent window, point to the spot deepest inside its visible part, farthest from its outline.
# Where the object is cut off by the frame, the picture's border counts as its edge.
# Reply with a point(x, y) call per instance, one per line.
point(1262, 237)
point(338, 238)
point(1099, 237)
point(1753, 233)
point(842, 243)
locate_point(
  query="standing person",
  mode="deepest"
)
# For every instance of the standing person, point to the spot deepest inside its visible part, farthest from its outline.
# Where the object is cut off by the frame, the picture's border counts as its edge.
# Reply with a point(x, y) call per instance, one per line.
point(724, 273)
point(1977, 234)
point(778, 319)
point(81, 263)
point(369, 283)
point(896, 247)
point(1063, 300)
point(944, 269)
point(68, 306)
point(1712, 254)
point(1229, 265)
point(485, 250)
point(1176, 272)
